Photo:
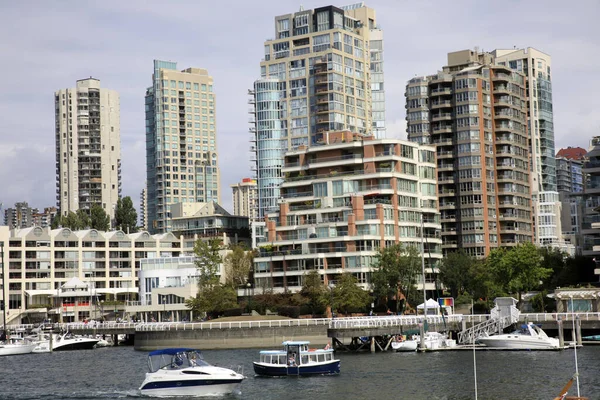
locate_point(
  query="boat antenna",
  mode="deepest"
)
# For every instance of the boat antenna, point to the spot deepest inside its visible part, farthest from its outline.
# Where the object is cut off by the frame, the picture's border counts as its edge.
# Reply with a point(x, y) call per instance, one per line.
point(575, 349)
point(474, 358)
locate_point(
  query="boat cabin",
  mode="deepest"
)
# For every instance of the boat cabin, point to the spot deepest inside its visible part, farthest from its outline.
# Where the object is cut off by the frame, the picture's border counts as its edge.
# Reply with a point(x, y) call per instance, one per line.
point(178, 358)
point(296, 353)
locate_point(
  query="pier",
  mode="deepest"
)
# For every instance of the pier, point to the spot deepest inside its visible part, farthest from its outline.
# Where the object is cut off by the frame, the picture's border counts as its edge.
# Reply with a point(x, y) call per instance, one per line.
point(347, 333)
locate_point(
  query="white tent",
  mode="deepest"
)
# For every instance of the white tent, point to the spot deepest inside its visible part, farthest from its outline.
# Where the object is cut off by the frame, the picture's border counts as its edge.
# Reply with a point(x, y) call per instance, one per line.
point(431, 303)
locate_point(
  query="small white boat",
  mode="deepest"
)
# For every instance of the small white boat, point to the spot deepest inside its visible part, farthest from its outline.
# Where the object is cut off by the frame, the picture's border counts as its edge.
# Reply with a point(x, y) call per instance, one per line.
point(436, 341)
point(15, 346)
point(65, 341)
point(401, 343)
point(183, 372)
point(529, 337)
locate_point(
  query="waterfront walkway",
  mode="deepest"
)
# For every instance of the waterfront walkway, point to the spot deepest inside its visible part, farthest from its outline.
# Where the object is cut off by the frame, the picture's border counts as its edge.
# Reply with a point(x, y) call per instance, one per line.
point(590, 320)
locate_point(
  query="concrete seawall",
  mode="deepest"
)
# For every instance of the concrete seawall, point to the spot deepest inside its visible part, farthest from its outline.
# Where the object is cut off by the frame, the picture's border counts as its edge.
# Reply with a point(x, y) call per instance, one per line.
point(232, 338)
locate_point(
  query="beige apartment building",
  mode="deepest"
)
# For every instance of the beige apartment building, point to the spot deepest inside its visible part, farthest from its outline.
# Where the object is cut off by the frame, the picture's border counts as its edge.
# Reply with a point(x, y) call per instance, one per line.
point(88, 147)
point(245, 198)
point(39, 262)
point(316, 77)
point(343, 201)
point(181, 142)
point(475, 112)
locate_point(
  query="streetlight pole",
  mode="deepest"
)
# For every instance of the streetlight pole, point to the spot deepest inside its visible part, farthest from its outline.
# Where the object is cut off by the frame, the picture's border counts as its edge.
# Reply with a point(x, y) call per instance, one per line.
point(331, 293)
point(164, 299)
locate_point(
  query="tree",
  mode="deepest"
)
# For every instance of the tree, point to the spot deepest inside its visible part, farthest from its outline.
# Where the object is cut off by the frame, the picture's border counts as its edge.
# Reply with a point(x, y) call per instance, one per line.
point(71, 221)
point(519, 269)
point(208, 261)
point(395, 271)
point(347, 295)
point(99, 219)
point(455, 271)
point(213, 300)
point(83, 220)
point(314, 291)
point(125, 215)
point(238, 264)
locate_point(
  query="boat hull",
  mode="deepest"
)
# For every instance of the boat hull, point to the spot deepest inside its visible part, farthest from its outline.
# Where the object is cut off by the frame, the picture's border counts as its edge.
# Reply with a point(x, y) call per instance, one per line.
point(15, 349)
point(519, 343)
point(409, 345)
point(75, 345)
point(329, 368)
point(190, 387)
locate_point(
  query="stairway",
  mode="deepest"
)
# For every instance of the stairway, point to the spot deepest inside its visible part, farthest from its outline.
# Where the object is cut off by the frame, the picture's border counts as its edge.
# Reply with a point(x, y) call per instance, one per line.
point(502, 315)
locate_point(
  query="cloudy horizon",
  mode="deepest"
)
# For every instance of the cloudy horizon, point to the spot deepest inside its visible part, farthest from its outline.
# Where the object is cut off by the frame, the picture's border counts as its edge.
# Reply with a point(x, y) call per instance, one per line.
point(46, 48)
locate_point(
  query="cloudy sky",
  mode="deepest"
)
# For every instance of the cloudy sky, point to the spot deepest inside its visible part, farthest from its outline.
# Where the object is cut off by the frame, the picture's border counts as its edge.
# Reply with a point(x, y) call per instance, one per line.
point(48, 45)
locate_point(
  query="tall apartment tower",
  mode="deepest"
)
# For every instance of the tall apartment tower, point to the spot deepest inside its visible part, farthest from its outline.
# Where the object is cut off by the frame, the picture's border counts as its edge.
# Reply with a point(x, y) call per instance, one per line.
point(88, 147)
point(181, 143)
point(316, 76)
point(536, 66)
point(20, 216)
point(475, 112)
point(245, 198)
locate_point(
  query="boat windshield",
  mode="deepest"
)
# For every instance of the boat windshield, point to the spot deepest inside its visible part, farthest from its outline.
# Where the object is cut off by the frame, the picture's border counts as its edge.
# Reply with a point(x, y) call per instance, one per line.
point(175, 359)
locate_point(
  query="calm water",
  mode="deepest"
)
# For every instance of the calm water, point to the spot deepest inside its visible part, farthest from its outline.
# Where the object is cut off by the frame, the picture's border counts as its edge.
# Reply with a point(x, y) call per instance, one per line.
point(110, 373)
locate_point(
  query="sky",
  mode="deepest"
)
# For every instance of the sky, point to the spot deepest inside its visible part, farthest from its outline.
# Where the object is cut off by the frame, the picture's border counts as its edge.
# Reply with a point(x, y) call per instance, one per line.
point(48, 45)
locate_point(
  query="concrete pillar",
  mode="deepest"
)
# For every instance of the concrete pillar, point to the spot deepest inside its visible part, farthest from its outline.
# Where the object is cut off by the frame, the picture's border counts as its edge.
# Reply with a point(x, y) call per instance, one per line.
point(561, 337)
point(464, 324)
point(51, 342)
point(115, 340)
point(372, 344)
point(578, 330)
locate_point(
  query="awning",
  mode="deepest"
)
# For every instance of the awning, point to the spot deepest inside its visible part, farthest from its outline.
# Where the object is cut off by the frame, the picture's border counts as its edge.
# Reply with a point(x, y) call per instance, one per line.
point(577, 294)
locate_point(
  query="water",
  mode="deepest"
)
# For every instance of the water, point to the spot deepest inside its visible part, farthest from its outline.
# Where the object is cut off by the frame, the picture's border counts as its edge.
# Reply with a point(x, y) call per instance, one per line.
point(113, 373)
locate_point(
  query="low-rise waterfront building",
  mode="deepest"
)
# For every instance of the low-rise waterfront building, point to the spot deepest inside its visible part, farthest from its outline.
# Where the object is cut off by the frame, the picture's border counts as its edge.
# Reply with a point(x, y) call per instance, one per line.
point(38, 262)
point(341, 202)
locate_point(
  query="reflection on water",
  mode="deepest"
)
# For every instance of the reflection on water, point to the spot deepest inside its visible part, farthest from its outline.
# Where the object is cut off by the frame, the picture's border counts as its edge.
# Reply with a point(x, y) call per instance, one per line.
point(113, 373)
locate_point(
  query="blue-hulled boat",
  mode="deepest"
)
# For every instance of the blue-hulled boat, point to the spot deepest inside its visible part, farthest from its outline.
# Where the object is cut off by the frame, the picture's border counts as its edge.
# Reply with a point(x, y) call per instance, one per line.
point(183, 372)
point(297, 359)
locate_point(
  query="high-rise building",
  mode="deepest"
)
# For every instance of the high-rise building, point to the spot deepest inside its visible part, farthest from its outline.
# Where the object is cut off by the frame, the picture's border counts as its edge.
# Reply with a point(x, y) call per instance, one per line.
point(570, 186)
point(88, 147)
point(181, 143)
point(44, 219)
point(343, 202)
point(591, 195)
point(320, 73)
point(475, 112)
point(245, 198)
point(19, 216)
point(536, 66)
point(144, 209)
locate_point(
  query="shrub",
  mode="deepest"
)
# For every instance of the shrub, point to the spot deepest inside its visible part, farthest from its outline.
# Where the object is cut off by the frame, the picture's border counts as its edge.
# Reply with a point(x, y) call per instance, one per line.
point(232, 312)
point(289, 311)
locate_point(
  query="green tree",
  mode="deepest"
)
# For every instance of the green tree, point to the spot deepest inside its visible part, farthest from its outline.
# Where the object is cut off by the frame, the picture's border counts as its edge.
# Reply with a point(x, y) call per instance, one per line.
point(395, 271)
point(555, 259)
point(83, 219)
point(71, 220)
point(208, 261)
point(455, 271)
point(347, 295)
point(99, 219)
point(125, 215)
point(213, 300)
point(520, 269)
point(314, 291)
point(238, 264)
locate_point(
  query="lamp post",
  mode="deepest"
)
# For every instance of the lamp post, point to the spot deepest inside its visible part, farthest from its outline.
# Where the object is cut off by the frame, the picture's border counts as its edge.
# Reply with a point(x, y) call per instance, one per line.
point(331, 285)
point(164, 301)
point(423, 268)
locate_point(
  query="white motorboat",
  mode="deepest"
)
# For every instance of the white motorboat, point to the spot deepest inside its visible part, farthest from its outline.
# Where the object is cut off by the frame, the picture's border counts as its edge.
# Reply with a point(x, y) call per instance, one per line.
point(65, 341)
point(436, 341)
point(529, 337)
point(15, 346)
point(401, 343)
point(183, 372)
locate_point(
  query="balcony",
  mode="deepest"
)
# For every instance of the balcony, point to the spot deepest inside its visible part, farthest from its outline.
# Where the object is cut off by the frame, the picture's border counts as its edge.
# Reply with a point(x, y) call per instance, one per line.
point(441, 104)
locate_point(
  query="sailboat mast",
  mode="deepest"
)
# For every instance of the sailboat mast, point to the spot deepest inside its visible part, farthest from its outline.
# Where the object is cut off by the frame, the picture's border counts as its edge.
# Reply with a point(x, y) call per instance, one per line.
point(423, 269)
